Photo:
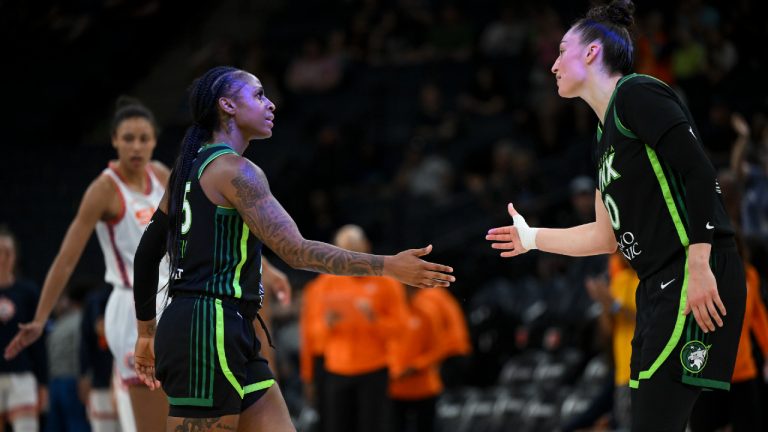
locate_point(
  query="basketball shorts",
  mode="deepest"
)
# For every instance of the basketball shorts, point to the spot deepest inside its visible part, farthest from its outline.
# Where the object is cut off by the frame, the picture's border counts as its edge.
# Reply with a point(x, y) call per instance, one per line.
point(121, 333)
point(207, 358)
point(18, 391)
point(664, 334)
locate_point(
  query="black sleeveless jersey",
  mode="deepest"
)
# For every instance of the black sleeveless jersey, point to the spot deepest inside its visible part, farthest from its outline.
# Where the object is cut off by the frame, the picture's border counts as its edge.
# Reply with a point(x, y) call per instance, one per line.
point(219, 255)
point(645, 197)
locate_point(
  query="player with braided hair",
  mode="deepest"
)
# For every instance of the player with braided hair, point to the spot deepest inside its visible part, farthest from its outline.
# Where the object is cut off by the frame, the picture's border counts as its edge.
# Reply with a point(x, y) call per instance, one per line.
point(213, 220)
point(658, 201)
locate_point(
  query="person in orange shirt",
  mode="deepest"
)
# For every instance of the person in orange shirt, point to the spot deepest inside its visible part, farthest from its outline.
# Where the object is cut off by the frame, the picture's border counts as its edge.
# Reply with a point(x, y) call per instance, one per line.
point(415, 381)
point(741, 407)
point(453, 329)
point(313, 331)
point(362, 316)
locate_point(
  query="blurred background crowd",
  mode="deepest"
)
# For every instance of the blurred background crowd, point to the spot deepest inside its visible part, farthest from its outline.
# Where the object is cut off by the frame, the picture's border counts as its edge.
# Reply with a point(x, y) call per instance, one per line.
point(416, 121)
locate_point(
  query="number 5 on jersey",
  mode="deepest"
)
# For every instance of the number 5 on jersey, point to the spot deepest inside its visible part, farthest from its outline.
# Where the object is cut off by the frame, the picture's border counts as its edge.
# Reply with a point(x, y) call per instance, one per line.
point(187, 211)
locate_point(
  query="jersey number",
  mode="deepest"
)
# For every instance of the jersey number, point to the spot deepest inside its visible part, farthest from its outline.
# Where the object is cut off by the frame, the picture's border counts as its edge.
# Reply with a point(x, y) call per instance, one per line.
point(613, 212)
point(186, 211)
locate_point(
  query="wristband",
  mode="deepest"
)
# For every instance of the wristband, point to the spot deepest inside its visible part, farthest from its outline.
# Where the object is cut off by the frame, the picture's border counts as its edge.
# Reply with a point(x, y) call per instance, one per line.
point(526, 233)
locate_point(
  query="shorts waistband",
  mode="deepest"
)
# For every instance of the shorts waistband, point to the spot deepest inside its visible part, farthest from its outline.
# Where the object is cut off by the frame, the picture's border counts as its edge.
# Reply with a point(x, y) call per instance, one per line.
point(248, 308)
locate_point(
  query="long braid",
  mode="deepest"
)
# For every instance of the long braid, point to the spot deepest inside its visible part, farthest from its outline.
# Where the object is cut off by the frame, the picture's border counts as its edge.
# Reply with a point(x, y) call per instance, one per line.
point(203, 96)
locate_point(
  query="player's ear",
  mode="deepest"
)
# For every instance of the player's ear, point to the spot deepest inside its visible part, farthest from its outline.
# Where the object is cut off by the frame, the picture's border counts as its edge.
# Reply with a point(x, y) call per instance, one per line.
point(227, 105)
point(593, 50)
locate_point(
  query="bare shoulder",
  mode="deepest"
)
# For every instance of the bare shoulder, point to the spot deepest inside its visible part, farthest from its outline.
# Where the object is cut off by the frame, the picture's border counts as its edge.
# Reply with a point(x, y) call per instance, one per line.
point(243, 178)
point(240, 181)
point(160, 170)
point(100, 195)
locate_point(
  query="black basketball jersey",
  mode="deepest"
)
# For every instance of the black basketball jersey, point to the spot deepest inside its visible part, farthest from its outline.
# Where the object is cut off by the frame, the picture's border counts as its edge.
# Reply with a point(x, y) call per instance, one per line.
point(219, 255)
point(645, 197)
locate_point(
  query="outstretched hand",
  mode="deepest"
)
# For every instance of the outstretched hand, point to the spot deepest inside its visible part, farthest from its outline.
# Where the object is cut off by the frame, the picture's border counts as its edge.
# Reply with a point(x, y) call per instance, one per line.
point(507, 238)
point(144, 361)
point(410, 269)
point(27, 335)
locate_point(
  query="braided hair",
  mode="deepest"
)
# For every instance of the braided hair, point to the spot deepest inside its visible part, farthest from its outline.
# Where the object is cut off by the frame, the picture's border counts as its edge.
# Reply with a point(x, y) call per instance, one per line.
point(220, 81)
point(613, 25)
point(127, 107)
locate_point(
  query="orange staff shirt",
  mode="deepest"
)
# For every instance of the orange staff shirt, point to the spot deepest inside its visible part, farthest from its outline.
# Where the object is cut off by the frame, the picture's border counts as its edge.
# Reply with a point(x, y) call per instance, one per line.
point(419, 351)
point(356, 344)
point(756, 322)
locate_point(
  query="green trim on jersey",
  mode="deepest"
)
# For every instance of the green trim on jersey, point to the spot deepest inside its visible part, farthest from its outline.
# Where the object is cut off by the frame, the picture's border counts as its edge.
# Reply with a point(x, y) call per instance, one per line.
point(676, 333)
point(243, 257)
point(222, 353)
point(657, 169)
point(619, 125)
point(211, 158)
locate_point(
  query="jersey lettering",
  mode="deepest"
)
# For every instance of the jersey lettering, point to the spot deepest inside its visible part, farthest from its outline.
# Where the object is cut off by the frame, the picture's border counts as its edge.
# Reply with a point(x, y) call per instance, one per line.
point(186, 210)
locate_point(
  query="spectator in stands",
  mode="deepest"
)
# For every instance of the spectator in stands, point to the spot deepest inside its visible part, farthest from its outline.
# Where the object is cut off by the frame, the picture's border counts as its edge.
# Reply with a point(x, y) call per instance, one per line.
point(96, 365)
point(314, 70)
point(742, 407)
point(66, 413)
point(23, 379)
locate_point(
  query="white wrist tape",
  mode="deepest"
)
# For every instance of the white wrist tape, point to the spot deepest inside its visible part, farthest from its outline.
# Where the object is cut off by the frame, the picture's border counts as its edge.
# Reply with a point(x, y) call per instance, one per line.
point(526, 233)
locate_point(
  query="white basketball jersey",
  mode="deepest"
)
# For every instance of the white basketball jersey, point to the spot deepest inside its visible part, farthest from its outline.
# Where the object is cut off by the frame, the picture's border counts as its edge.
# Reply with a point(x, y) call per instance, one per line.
point(120, 237)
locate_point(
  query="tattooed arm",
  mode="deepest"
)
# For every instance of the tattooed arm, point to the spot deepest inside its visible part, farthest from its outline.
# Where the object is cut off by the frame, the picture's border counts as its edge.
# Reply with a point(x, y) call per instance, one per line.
point(247, 189)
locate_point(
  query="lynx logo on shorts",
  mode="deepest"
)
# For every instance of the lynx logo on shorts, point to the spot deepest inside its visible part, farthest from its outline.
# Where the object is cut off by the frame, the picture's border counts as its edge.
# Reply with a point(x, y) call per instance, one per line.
point(694, 356)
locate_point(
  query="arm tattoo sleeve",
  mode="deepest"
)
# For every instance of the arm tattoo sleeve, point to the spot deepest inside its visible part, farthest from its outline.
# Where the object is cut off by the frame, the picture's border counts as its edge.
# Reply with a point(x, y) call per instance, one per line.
point(271, 223)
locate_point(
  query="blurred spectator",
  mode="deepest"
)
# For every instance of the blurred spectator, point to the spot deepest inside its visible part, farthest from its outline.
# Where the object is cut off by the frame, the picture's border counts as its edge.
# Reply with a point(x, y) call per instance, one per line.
point(362, 316)
point(66, 413)
point(451, 36)
point(313, 331)
point(96, 364)
point(23, 379)
point(415, 382)
point(452, 328)
point(653, 48)
point(485, 96)
point(741, 407)
point(507, 36)
point(752, 178)
point(314, 70)
point(616, 296)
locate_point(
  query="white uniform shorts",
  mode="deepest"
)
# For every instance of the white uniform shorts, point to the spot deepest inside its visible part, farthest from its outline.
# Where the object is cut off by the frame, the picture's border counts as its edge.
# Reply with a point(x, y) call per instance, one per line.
point(120, 330)
point(18, 391)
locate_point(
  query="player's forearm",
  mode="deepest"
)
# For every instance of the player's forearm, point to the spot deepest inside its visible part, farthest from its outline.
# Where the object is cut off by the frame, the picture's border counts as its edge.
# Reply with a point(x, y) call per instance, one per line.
point(326, 258)
point(582, 240)
point(57, 278)
point(698, 256)
point(146, 328)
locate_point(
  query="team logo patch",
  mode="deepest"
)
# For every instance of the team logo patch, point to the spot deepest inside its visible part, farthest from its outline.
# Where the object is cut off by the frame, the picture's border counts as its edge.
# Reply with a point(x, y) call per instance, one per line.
point(694, 356)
